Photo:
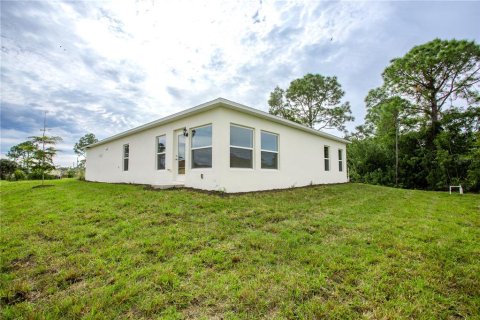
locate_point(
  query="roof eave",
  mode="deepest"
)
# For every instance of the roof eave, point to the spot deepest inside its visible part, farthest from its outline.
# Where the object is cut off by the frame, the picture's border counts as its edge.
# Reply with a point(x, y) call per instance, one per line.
point(283, 121)
point(210, 105)
point(179, 115)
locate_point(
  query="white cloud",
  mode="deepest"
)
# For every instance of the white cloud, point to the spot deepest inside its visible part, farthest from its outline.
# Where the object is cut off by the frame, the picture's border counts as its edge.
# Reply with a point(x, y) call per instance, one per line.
point(104, 67)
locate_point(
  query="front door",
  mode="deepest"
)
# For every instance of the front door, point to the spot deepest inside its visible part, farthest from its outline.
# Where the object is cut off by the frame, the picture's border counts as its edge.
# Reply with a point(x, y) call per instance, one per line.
point(180, 156)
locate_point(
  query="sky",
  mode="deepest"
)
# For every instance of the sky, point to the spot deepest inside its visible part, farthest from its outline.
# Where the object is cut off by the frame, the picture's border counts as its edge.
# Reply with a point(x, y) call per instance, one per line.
point(105, 67)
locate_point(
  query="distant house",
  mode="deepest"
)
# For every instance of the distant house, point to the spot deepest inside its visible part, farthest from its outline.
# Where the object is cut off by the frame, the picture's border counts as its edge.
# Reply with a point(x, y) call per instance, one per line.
point(220, 145)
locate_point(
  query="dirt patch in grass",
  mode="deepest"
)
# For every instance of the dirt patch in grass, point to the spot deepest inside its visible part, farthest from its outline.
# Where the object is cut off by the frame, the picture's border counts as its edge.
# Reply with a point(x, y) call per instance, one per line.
point(17, 297)
point(24, 262)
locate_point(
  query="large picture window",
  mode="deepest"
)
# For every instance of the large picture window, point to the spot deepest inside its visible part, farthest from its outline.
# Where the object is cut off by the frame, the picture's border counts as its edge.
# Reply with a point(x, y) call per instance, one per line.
point(326, 157)
point(340, 160)
point(161, 149)
point(202, 147)
point(241, 147)
point(269, 149)
point(126, 156)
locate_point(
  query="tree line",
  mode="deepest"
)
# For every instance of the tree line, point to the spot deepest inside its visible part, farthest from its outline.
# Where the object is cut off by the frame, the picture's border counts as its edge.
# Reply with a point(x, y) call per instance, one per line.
point(422, 125)
point(33, 158)
point(421, 129)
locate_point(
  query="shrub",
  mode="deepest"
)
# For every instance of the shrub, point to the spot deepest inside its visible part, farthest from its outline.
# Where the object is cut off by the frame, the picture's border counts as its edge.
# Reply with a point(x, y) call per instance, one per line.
point(7, 168)
point(71, 173)
point(37, 175)
point(19, 175)
point(81, 174)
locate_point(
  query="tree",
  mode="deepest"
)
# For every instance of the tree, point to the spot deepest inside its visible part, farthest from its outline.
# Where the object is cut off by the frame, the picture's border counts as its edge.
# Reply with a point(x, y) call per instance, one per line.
point(387, 115)
point(84, 141)
point(278, 106)
point(456, 148)
point(473, 173)
point(22, 154)
point(44, 153)
point(7, 168)
point(412, 127)
point(431, 74)
point(314, 101)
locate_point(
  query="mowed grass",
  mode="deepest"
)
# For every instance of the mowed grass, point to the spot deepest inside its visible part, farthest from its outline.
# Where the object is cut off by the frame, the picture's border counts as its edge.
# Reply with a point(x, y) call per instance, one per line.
point(93, 250)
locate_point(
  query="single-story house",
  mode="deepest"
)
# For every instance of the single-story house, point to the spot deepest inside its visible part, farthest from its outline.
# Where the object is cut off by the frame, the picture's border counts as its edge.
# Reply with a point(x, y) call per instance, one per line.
point(220, 145)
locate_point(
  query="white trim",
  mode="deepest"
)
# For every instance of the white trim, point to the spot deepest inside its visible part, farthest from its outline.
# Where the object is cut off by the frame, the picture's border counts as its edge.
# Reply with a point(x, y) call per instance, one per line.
point(340, 161)
point(219, 102)
point(159, 153)
point(191, 135)
point(125, 158)
point(270, 151)
point(177, 176)
point(252, 148)
point(326, 158)
point(199, 148)
point(242, 127)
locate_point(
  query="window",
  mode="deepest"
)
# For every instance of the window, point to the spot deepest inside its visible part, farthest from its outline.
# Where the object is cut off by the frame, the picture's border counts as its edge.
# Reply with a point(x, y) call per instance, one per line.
point(269, 150)
point(326, 156)
point(202, 147)
point(340, 160)
point(241, 147)
point(161, 147)
point(126, 154)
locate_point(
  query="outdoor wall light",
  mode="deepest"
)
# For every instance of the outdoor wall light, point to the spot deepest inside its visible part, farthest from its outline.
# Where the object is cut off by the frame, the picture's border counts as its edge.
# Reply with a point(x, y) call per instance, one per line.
point(185, 132)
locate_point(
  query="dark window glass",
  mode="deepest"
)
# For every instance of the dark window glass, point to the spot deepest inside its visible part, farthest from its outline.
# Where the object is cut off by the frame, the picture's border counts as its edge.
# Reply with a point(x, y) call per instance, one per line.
point(269, 160)
point(269, 141)
point(181, 154)
point(161, 148)
point(326, 156)
point(241, 137)
point(241, 158)
point(126, 154)
point(161, 161)
point(340, 160)
point(161, 144)
point(181, 147)
point(202, 137)
point(202, 158)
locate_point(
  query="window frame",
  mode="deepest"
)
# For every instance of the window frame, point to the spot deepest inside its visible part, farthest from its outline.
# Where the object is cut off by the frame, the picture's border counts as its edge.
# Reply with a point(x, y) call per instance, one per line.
point(125, 158)
point(198, 148)
point(340, 160)
point(270, 151)
point(326, 159)
point(160, 153)
point(252, 149)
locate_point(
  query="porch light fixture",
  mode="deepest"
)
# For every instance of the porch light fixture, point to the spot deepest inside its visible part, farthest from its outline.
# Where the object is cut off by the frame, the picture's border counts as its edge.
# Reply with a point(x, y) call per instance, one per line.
point(185, 132)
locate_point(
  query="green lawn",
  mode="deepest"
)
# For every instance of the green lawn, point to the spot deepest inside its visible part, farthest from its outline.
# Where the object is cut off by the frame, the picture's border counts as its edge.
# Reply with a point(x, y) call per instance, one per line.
point(95, 250)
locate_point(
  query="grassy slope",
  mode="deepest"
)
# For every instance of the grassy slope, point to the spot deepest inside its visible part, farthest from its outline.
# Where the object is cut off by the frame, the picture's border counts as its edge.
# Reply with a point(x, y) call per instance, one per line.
point(344, 251)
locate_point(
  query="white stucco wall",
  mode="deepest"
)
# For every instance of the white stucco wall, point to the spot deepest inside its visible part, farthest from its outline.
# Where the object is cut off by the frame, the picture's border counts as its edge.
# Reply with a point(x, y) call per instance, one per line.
point(301, 159)
point(104, 162)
